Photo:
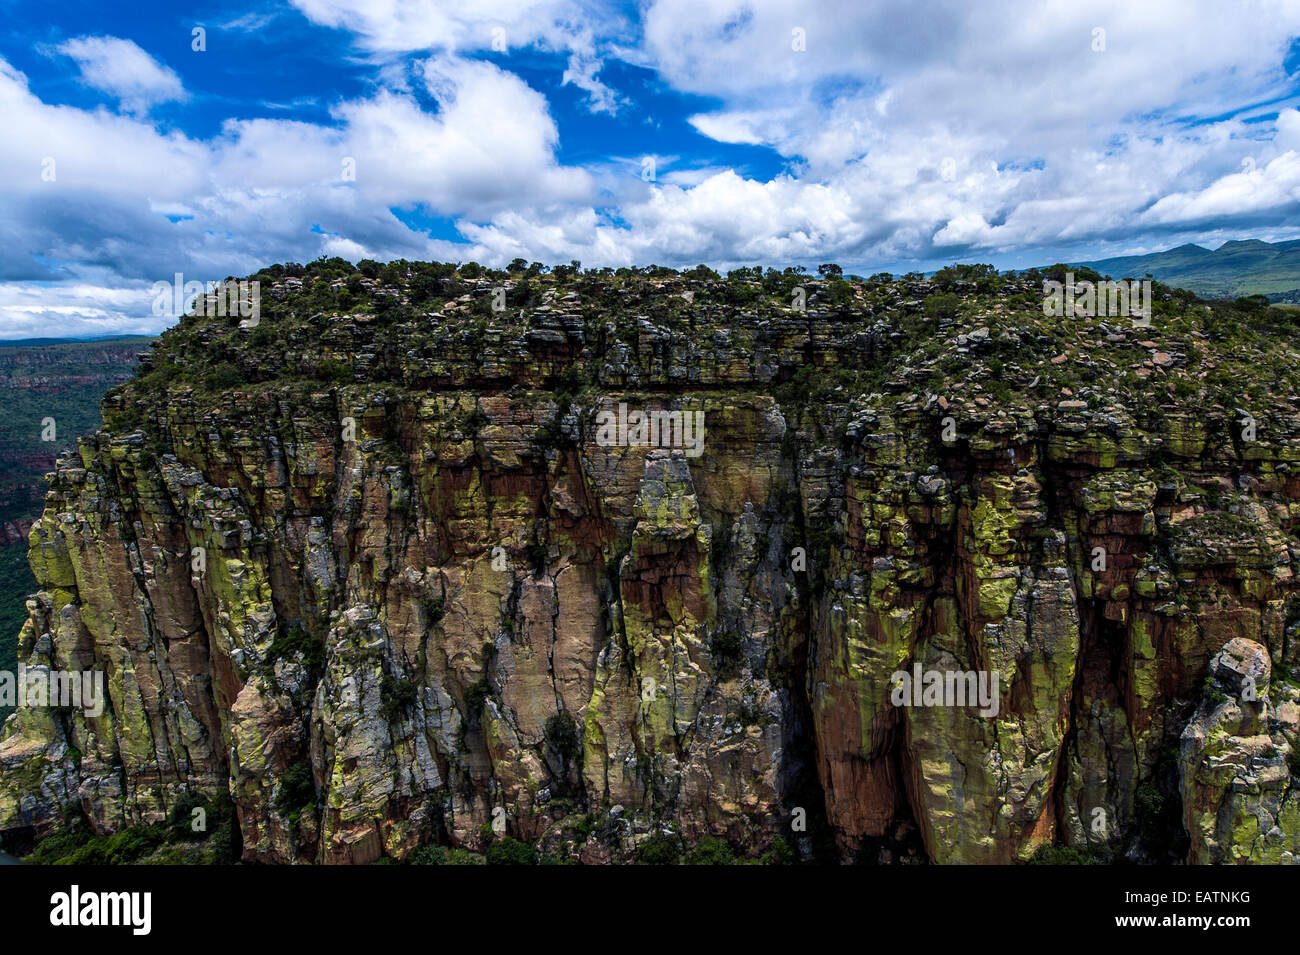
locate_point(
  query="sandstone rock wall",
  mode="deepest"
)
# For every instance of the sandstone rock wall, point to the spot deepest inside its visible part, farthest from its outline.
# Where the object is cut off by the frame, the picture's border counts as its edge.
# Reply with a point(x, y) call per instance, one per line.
point(446, 599)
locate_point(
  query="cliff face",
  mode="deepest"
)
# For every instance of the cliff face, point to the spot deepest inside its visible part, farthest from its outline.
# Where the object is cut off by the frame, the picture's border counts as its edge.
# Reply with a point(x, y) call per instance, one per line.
point(49, 394)
point(395, 557)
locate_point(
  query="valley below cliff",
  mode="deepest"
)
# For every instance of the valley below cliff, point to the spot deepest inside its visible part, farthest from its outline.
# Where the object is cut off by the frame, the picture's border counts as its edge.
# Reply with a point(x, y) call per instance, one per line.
point(368, 575)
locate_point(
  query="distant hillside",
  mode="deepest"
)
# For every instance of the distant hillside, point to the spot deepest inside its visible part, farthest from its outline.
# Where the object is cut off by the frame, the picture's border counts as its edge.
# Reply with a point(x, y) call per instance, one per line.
point(92, 339)
point(1247, 267)
point(64, 382)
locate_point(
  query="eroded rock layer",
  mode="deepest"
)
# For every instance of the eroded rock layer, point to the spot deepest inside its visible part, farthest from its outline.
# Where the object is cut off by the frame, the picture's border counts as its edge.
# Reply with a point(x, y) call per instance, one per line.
point(427, 584)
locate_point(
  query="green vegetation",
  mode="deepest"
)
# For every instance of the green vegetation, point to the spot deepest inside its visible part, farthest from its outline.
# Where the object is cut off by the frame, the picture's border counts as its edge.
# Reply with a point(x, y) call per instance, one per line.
point(16, 583)
point(222, 376)
point(1158, 809)
point(433, 608)
point(297, 792)
point(562, 734)
point(81, 848)
point(464, 857)
point(942, 305)
point(659, 849)
point(475, 696)
point(666, 849)
point(429, 855)
point(509, 851)
point(210, 837)
point(297, 643)
point(779, 854)
point(725, 647)
point(396, 695)
point(434, 854)
point(712, 851)
point(332, 369)
point(968, 332)
point(1069, 855)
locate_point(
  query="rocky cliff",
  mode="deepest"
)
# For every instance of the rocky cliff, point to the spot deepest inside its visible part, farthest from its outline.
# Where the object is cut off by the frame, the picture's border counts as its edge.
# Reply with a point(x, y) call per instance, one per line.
point(50, 393)
point(369, 568)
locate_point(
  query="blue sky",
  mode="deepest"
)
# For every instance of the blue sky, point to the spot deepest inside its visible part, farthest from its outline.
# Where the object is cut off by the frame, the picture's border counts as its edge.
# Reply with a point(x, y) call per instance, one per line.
point(891, 136)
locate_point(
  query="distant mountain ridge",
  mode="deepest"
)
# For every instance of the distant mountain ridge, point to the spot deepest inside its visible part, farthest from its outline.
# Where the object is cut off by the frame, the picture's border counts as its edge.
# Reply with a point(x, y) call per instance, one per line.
point(1241, 267)
point(96, 339)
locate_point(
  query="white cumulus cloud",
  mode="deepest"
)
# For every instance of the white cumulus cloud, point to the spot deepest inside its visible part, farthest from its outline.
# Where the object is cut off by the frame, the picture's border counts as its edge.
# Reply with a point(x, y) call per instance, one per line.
point(121, 69)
